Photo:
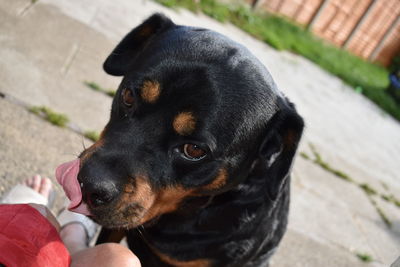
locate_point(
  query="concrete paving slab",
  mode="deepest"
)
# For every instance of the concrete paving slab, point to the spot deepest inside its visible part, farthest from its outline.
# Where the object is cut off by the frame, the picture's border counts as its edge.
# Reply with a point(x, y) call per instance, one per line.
point(36, 70)
point(15, 7)
point(298, 250)
point(83, 11)
point(323, 184)
point(30, 145)
point(386, 244)
point(325, 221)
point(392, 212)
point(88, 60)
point(334, 211)
point(44, 37)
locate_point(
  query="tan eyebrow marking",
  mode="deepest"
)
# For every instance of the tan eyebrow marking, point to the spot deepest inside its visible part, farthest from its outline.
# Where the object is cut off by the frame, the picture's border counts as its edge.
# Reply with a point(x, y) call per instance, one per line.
point(184, 123)
point(150, 91)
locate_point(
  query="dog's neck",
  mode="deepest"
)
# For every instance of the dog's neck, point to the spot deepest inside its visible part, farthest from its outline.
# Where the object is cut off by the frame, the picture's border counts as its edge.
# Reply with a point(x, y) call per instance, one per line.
point(225, 226)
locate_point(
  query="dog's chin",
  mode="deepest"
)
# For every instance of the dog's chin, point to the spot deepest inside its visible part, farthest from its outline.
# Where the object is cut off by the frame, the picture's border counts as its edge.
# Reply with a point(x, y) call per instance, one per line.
point(118, 224)
point(127, 218)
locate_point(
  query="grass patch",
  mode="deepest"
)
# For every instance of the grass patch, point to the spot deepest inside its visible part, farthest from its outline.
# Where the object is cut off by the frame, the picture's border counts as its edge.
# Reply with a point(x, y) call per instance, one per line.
point(282, 34)
point(110, 93)
point(191, 5)
point(395, 201)
point(386, 198)
point(304, 155)
point(92, 135)
point(368, 189)
point(94, 86)
point(383, 216)
point(55, 118)
point(323, 164)
point(364, 257)
point(392, 199)
point(385, 186)
point(216, 10)
point(339, 174)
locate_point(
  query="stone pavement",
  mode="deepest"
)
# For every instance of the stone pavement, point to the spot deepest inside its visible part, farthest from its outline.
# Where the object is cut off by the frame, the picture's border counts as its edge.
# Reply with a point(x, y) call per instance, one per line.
point(49, 48)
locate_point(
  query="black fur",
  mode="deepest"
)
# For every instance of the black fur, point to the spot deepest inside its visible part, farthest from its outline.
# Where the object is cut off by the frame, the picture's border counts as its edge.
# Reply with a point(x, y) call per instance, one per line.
point(243, 122)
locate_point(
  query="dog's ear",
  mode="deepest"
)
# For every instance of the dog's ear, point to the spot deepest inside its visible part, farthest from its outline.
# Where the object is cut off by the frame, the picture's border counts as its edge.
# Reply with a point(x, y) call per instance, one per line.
point(125, 52)
point(279, 147)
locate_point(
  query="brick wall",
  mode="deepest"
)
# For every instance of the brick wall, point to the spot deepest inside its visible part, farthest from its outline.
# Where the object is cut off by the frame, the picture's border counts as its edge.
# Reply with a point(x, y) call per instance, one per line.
point(367, 28)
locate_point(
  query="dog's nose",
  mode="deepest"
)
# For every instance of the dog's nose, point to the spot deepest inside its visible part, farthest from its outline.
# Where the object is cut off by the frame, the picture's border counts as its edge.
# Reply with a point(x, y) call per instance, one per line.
point(100, 193)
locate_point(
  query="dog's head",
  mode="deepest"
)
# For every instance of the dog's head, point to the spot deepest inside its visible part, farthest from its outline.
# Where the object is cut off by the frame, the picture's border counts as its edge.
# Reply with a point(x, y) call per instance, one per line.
point(194, 115)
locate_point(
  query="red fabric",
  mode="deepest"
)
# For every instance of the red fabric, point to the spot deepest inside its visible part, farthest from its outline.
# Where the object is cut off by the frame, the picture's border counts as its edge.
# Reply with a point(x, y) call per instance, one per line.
point(28, 239)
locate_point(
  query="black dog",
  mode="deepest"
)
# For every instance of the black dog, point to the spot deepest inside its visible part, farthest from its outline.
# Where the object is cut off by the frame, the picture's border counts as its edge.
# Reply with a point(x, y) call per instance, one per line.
point(195, 160)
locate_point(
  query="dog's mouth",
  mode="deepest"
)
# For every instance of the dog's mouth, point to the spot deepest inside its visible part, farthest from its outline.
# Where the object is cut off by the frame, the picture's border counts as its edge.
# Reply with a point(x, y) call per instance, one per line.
point(137, 204)
point(67, 177)
point(131, 210)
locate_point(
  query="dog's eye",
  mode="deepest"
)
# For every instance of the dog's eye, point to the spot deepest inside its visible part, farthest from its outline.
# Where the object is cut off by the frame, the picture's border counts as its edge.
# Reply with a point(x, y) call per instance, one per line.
point(193, 152)
point(127, 97)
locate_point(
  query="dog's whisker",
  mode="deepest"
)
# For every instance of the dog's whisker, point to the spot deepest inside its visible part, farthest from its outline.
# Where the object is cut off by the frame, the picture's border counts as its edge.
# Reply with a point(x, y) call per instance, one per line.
point(139, 229)
point(83, 143)
point(67, 154)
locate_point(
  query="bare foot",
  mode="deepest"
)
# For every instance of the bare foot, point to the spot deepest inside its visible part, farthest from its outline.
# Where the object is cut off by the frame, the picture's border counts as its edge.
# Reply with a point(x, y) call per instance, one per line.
point(42, 185)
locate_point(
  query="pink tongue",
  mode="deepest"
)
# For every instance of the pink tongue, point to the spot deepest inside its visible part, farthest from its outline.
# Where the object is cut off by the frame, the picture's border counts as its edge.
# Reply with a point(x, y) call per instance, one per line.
point(67, 177)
